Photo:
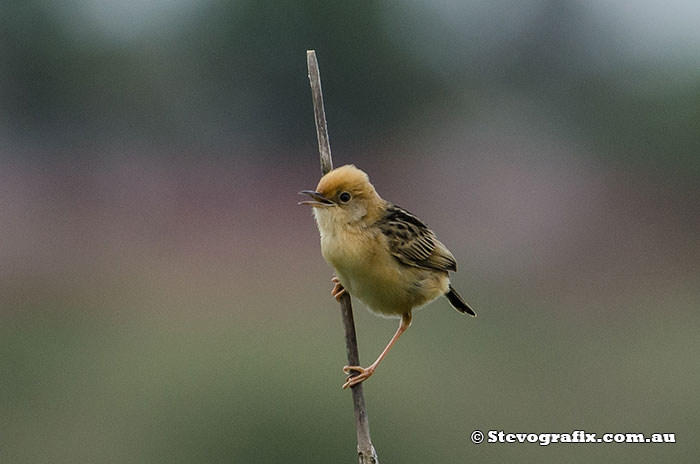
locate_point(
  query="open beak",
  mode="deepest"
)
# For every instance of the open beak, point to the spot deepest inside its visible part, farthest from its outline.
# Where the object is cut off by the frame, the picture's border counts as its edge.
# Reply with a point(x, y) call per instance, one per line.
point(317, 200)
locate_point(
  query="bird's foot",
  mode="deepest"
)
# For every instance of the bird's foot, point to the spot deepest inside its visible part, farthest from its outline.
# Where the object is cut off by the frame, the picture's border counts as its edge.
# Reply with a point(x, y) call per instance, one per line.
point(363, 375)
point(338, 289)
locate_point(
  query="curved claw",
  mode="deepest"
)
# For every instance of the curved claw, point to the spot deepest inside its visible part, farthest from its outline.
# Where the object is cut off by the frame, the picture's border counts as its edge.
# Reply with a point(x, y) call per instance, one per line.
point(338, 289)
point(363, 375)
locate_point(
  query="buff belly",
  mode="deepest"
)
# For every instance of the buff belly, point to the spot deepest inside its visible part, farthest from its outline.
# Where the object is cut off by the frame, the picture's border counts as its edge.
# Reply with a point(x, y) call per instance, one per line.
point(387, 286)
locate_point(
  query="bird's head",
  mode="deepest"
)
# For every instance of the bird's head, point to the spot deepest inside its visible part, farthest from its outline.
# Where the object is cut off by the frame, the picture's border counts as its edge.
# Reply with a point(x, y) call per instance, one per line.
point(344, 196)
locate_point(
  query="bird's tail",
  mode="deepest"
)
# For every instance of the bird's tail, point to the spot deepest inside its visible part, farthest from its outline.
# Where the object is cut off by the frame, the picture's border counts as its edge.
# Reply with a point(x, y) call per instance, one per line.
point(458, 303)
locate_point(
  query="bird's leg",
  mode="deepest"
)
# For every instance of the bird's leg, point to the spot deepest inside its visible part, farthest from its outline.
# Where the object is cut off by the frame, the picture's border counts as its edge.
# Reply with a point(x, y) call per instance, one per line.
point(366, 373)
point(338, 289)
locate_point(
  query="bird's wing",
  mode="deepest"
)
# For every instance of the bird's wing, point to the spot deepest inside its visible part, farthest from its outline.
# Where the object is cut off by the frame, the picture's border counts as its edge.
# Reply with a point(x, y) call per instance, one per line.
point(413, 243)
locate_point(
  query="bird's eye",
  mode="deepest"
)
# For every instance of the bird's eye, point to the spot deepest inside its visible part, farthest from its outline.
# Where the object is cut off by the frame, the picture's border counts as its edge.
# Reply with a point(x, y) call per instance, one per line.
point(344, 197)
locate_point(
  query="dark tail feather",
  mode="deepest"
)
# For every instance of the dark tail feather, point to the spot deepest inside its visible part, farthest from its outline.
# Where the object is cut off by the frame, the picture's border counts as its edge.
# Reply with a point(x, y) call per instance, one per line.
point(458, 303)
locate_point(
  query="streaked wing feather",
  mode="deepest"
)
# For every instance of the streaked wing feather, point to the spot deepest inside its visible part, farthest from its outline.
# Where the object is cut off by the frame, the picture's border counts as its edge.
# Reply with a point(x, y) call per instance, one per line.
point(413, 243)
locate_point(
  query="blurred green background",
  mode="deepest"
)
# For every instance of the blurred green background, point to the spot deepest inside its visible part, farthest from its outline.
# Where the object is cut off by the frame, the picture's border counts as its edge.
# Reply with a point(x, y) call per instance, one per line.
point(163, 298)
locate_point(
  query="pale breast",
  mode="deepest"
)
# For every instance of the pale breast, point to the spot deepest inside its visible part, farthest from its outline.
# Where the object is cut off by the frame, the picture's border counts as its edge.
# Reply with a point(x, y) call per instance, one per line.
point(369, 272)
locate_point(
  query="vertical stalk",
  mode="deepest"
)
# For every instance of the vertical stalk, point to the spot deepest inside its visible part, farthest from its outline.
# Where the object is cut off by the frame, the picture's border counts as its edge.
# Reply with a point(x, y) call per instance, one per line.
point(365, 449)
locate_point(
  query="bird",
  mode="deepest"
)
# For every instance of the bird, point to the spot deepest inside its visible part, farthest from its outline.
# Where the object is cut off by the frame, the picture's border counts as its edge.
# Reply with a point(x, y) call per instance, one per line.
point(381, 254)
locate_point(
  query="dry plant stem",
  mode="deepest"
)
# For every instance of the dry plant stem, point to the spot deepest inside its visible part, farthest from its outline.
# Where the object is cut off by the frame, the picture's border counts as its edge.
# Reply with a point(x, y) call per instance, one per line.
point(324, 145)
point(365, 450)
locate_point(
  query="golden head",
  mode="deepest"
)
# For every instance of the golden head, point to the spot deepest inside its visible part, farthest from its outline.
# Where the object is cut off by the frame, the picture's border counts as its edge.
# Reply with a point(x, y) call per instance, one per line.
point(345, 196)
